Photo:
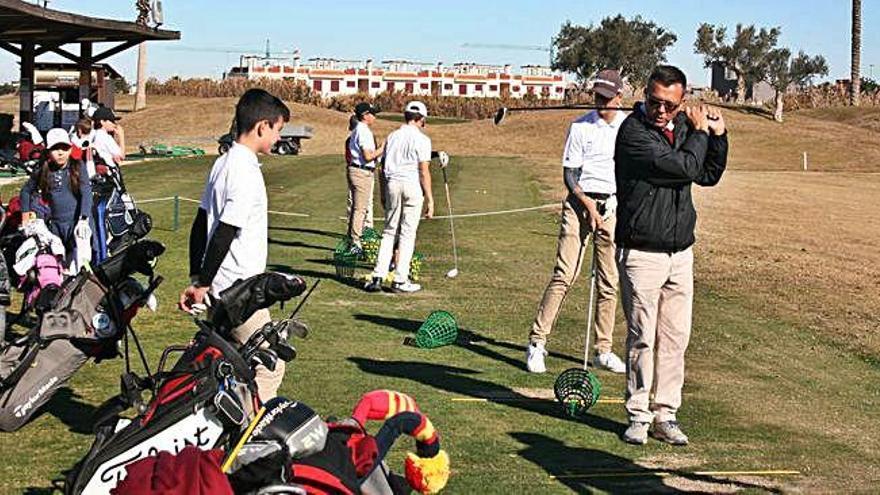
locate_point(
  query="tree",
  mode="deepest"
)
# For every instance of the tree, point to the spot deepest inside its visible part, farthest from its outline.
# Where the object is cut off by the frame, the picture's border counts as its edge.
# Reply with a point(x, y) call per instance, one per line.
point(782, 72)
point(856, 55)
point(745, 55)
point(634, 47)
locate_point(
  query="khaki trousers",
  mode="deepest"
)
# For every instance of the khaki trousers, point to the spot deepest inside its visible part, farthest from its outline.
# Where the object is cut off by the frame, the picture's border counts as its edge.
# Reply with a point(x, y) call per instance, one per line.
point(574, 232)
point(403, 211)
point(267, 381)
point(360, 187)
point(657, 294)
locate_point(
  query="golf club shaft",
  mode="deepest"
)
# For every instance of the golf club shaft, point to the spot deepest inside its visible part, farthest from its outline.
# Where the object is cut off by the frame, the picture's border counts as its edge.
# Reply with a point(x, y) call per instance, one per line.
point(304, 299)
point(591, 302)
point(451, 220)
point(569, 107)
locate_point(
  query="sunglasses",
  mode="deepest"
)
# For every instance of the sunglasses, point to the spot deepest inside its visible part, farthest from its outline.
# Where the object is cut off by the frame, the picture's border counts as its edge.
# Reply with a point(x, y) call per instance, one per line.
point(657, 103)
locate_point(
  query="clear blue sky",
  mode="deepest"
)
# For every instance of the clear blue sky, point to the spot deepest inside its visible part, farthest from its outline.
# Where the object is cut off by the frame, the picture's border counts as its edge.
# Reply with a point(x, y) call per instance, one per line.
point(432, 31)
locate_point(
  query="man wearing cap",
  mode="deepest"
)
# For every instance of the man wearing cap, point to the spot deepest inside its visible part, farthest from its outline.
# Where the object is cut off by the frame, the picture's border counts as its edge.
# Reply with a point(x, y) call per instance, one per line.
point(589, 208)
point(361, 171)
point(109, 139)
point(408, 189)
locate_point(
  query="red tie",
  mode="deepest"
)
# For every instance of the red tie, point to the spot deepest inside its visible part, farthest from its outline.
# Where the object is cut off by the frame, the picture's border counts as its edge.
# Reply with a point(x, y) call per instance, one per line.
point(669, 135)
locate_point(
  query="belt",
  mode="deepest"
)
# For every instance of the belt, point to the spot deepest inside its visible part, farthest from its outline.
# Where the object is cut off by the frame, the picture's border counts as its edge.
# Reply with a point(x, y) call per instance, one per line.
point(362, 167)
point(598, 196)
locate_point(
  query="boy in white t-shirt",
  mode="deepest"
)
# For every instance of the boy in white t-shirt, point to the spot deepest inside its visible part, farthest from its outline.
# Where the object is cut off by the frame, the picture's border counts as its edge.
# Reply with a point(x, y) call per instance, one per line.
point(361, 171)
point(229, 237)
point(109, 138)
point(408, 188)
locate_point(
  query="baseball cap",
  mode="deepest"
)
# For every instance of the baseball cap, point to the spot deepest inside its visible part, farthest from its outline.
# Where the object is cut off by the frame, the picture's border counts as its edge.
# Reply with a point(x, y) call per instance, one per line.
point(608, 83)
point(364, 108)
point(104, 113)
point(416, 107)
point(56, 137)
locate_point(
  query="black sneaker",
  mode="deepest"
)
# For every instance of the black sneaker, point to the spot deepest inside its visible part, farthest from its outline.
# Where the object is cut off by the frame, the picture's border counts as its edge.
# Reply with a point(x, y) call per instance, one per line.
point(374, 285)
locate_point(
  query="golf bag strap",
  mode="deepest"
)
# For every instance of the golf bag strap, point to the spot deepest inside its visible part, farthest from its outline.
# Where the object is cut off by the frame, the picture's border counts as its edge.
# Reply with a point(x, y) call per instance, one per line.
point(319, 481)
point(30, 353)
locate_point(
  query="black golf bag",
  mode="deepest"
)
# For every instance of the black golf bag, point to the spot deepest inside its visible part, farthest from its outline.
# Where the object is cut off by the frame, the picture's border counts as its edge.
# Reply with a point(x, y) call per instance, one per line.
point(88, 316)
point(207, 399)
point(118, 221)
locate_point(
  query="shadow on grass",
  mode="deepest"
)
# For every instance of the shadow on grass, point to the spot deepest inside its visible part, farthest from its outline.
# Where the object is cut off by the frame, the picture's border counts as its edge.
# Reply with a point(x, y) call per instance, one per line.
point(350, 282)
point(462, 382)
point(325, 233)
point(78, 416)
point(298, 244)
point(467, 339)
point(585, 470)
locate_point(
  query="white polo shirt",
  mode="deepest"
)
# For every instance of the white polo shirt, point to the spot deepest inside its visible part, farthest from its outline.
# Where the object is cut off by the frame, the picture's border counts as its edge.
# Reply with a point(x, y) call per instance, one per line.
point(235, 194)
point(590, 147)
point(404, 150)
point(361, 140)
point(106, 146)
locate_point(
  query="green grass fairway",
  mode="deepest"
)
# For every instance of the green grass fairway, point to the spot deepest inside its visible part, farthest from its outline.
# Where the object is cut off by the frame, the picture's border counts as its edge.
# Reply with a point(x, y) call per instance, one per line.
point(761, 394)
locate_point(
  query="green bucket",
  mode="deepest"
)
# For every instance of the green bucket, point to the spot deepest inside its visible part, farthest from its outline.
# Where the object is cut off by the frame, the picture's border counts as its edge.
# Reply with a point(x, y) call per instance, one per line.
point(343, 260)
point(577, 390)
point(439, 329)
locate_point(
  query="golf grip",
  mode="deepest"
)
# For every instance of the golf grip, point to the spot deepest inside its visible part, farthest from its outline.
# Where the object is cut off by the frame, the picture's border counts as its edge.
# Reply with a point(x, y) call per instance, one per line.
point(591, 302)
point(451, 221)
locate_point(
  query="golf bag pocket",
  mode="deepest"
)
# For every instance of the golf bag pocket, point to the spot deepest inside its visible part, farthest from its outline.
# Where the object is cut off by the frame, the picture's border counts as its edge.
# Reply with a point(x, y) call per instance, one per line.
point(37, 372)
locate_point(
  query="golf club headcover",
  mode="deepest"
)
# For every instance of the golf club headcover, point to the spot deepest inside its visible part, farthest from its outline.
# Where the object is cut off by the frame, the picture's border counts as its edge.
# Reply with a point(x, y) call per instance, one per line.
point(239, 302)
point(427, 475)
point(380, 405)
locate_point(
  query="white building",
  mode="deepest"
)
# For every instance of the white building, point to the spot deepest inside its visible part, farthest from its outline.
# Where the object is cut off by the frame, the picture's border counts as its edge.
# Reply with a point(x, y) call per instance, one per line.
point(332, 77)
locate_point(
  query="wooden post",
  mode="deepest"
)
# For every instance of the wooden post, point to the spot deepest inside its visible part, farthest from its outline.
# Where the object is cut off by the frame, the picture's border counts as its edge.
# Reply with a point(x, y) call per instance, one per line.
point(140, 98)
point(26, 88)
point(85, 71)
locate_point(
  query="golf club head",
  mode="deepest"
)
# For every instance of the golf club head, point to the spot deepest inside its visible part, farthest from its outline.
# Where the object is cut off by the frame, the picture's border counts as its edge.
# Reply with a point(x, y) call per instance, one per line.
point(452, 273)
point(500, 115)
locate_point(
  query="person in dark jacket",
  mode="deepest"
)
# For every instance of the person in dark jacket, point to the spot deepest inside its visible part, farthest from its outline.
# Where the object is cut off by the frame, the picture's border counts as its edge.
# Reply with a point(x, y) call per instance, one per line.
point(661, 150)
point(63, 183)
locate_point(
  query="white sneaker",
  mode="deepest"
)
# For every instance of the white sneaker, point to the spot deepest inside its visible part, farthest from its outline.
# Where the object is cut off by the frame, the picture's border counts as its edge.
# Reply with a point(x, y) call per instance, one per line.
point(609, 361)
point(535, 357)
point(405, 287)
point(637, 433)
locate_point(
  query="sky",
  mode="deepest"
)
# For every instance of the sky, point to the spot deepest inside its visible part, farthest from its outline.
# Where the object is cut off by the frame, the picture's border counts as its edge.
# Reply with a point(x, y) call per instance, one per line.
point(430, 31)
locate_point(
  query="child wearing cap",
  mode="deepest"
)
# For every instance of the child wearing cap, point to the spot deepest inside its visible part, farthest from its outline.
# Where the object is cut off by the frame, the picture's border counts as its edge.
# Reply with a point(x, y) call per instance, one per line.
point(63, 183)
point(109, 139)
point(408, 189)
point(363, 153)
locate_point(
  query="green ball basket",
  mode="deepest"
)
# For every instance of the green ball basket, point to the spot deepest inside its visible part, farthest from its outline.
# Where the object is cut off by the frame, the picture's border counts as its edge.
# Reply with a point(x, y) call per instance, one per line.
point(343, 260)
point(577, 390)
point(438, 330)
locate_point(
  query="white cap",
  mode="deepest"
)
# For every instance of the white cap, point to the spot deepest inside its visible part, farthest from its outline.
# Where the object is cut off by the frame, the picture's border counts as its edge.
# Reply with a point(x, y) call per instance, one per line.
point(416, 107)
point(57, 136)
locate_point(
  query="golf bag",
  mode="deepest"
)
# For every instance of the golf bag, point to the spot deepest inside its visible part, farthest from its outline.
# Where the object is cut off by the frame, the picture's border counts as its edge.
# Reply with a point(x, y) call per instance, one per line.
point(88, 315)
point(207, 399)
point(118, 221)
point(289, 449)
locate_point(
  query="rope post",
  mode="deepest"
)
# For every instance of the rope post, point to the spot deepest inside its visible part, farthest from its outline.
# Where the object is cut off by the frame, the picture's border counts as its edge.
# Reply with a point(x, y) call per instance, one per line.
point(175, 223)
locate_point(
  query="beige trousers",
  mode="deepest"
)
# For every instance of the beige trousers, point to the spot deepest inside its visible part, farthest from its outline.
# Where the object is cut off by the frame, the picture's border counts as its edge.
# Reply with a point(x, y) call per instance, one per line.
point(360, 188)
point(657, 294)
point(267, 381)
point(574, 233)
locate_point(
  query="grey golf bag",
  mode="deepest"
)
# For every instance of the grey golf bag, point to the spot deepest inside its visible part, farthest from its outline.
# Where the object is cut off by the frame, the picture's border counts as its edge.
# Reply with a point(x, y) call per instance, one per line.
point(88, 316)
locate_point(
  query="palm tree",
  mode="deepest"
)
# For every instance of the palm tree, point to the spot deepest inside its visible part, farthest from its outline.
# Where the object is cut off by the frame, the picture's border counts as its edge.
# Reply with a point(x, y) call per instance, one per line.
point(855, 73)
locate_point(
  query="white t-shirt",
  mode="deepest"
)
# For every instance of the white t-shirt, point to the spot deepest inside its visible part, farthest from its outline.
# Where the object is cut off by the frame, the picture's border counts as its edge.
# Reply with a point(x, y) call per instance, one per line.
point(404, 150)
point(590, 147)
point(106, 147)
point(361, 140)
point(235, 194)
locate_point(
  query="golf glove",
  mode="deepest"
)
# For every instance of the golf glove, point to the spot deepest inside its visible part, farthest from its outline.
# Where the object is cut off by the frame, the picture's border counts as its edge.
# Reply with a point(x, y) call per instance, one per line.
point(610, 208)
point(443, 158)
point(82, 231)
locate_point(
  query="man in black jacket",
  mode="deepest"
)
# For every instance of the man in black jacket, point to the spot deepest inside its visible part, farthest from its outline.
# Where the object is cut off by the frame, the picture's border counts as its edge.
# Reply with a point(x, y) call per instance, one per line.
point(661, 150)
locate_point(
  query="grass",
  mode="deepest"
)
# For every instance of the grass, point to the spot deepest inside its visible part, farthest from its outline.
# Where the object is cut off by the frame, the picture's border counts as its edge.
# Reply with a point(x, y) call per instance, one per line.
point(763, 391)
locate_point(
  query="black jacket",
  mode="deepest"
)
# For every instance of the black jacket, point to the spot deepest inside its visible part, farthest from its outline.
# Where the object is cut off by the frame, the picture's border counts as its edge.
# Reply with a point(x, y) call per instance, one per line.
point(655, 210)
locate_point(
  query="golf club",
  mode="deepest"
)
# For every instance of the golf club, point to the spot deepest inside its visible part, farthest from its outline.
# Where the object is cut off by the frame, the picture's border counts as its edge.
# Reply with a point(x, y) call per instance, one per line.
point(592, 300)
point(454, 272)
point(502, 112)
